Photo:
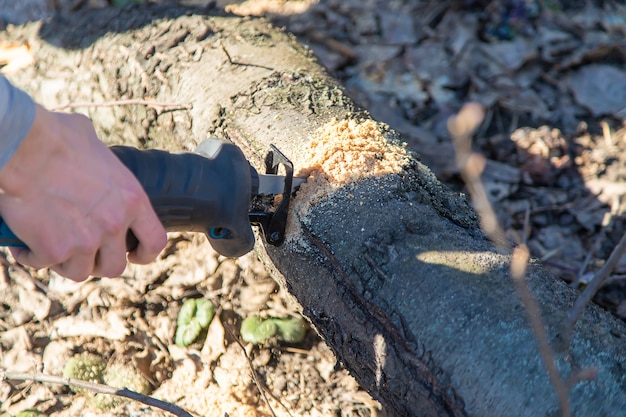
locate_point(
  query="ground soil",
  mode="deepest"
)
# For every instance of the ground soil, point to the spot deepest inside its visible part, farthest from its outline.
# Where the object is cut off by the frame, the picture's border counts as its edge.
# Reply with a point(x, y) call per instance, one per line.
point(550, 77)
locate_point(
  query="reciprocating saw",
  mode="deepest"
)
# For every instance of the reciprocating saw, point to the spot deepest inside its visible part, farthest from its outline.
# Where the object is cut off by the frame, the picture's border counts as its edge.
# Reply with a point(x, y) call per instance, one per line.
point(214, 190)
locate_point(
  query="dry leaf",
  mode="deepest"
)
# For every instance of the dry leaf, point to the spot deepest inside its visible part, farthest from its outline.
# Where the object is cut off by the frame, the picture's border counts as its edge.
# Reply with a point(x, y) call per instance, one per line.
point(514, 54)
point(15, 56)
point(599, 88)
point(215, 342)
point(35, 303)
point(55, 354)
point(112, 327)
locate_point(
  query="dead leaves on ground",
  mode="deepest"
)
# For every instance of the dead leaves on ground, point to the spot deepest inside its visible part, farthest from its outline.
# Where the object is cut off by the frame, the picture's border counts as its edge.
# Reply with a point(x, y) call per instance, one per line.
point(416, 55)
point(45, 319)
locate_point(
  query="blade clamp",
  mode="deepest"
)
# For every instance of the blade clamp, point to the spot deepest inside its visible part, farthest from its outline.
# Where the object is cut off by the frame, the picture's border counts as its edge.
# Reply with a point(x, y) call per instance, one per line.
point(273, 224)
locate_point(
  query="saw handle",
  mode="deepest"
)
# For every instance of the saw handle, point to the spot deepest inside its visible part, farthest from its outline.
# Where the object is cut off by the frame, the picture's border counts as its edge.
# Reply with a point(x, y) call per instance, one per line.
point(206, 191)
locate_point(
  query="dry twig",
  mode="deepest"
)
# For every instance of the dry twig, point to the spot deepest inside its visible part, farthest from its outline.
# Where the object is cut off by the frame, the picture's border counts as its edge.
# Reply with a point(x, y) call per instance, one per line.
point(231, 61)
point(98, 388)
point(519, 262)
point(129, 102)
point(591, 289)
point(471, 165)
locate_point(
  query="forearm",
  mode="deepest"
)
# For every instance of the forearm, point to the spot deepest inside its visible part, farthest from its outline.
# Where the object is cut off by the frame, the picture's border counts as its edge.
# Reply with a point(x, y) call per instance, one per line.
point(17, 113)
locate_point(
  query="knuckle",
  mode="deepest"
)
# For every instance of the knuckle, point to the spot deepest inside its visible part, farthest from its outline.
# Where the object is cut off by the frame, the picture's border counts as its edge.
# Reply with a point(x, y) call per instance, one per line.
point(90, 242)
point(135, 196)
point(113, 223)
point(88, 245)
point(83, 241)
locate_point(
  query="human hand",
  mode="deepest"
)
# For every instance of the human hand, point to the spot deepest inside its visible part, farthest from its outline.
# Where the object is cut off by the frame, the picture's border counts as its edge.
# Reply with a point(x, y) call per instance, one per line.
point(72, 202)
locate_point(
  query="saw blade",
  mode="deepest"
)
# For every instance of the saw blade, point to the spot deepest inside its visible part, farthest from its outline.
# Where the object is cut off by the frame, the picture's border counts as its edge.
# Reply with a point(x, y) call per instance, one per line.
point(275, 184)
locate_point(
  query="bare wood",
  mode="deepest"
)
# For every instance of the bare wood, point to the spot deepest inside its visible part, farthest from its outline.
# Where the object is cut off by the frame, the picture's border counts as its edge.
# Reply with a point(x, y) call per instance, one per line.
point(392, 270)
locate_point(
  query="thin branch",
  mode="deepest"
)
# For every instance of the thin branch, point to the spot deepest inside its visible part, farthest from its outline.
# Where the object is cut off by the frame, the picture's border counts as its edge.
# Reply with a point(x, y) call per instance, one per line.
point(471, 165)
point(615, 279)
point(580, 375)
point(591, 289)
point(519, 263)
point(128, 102)
point(231, 61)
point(607, 223)
point(583, 267)
point(98, 388)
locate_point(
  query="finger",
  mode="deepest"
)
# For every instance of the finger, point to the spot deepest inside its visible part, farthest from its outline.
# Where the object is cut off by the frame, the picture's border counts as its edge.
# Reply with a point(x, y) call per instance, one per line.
point(29, 258)
point(111, 259)
point(151, 237)
point(148, 248)
point(78, 268)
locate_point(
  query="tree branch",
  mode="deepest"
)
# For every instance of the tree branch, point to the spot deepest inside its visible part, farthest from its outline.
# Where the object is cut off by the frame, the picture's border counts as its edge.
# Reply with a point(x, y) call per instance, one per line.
point(99, 388)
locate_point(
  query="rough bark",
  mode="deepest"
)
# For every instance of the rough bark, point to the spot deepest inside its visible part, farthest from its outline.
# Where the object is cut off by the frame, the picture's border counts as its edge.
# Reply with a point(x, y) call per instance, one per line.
point(392, 271)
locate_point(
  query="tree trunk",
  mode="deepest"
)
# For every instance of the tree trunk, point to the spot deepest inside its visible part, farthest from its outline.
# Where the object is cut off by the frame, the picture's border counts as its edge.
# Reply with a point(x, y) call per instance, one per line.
point(389, 266)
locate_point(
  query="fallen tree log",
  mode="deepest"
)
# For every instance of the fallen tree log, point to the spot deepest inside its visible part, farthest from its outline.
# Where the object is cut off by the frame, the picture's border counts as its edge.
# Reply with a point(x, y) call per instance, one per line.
point(388, 264)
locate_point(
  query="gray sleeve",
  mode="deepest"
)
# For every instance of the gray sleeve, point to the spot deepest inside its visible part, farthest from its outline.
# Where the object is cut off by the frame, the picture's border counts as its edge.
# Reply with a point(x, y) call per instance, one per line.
point(17, 113)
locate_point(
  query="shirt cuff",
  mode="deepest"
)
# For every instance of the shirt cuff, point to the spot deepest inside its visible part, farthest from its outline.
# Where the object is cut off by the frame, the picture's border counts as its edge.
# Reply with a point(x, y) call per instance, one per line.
point(17, 113)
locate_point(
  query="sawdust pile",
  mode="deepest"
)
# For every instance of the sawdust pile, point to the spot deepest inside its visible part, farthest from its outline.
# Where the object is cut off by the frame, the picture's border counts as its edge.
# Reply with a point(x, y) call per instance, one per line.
point(342, 153)
point(264, 7)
